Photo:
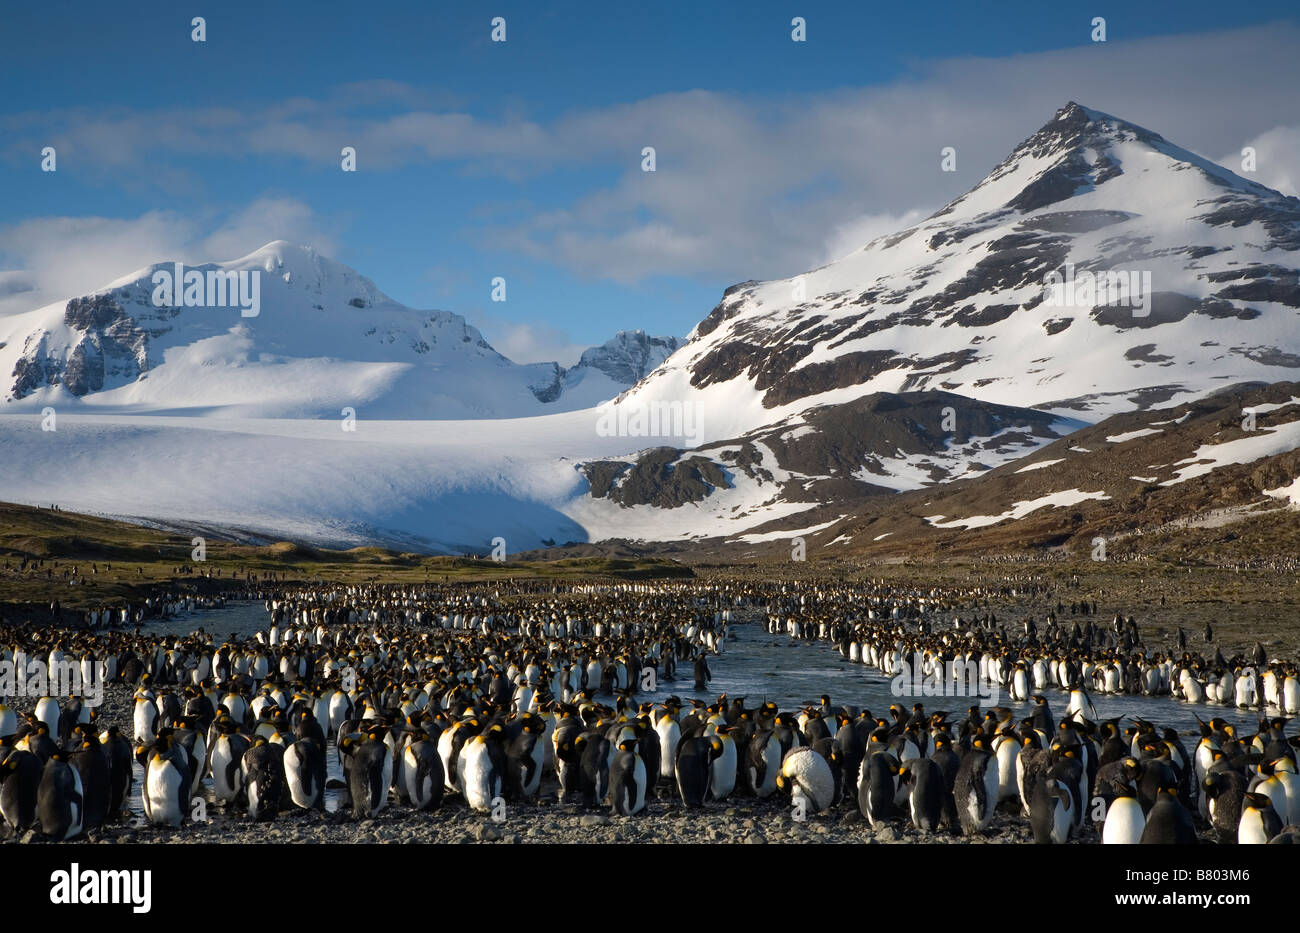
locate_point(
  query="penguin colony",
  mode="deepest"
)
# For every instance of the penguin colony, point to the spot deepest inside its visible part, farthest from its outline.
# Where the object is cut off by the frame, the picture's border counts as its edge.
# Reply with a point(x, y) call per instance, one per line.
point(1137, 783)
point(434, 696)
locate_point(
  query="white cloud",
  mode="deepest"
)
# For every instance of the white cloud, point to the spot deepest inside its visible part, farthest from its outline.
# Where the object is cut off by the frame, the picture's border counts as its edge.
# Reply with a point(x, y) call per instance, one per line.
point(60, 257)
point(525, 342)
point(1277, 159)
point(746, 186)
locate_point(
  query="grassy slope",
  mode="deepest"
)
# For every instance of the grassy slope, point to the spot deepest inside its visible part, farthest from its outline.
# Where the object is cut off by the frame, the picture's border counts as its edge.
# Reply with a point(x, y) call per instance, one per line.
point(142, 558)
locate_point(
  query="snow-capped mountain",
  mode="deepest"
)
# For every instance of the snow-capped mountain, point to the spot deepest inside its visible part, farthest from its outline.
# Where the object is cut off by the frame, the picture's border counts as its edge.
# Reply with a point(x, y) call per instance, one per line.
point(609, 369)
point(961, 301)
point(924, 363)
point(321, 338)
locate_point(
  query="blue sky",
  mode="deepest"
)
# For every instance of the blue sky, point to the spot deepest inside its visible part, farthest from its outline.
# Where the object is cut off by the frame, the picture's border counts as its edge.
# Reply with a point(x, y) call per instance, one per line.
point(522, 159)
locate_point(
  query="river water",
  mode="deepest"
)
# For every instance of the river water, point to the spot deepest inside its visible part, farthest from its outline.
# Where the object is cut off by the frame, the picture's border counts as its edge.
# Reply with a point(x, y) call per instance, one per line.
point(762, 667)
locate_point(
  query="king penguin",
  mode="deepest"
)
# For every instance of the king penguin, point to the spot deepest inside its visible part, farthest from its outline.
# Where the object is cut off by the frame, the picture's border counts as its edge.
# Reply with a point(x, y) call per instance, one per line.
point(1168, 822)
point(1259, 820)
point(1125, 820)
point(627, 780)
point(59, 799)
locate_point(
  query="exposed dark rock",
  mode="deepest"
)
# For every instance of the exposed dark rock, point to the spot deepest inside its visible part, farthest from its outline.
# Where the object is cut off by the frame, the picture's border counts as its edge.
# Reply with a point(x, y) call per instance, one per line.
point(658, 478)
point(1073, 221)
point(847, 370)
point(1269, 356)
point(1143, 353)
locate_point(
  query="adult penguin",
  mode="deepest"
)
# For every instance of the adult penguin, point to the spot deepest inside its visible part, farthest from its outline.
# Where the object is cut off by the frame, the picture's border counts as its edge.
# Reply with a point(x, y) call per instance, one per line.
point(1259, 820)
point(1125, 820)
point(1051, 807)
point(264, 778)
point(593, 773)
point(92, 765)
point(669, 733)
point(117, 751)
point(483, 766)
point(1225, 792)
point(568, 763)
point(809, 777)
point(763, 763)
point(648, 751)
point(227, 759)
point(370, 773)
point(877, 788)
point(40, 744)
point(304, 773)
point(1041, 718)
point(524, 758)
point(723, 768)
point(47, 711)
point(1006, 748)
point(166, 789)
point(20, 778)
point(60, 803)
point(702, 673)
point(852, 750)
point(694, 756)
point(1067, 770)
point(424, 780)
point(928, 793)
point(976, 788)
point(1270, 782)
point(1168, 822)
point(627, 780)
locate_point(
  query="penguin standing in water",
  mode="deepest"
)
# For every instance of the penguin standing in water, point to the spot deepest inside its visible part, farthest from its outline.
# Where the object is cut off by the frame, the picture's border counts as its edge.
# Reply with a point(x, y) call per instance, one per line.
point(264, 779)
point(1259, 820)
point(166, 791)
point(59, 800)
point(20, 778)
point(304, 774)
point(627, 780)
point(1168, 822)
point(694, 756)
point(702, 673)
